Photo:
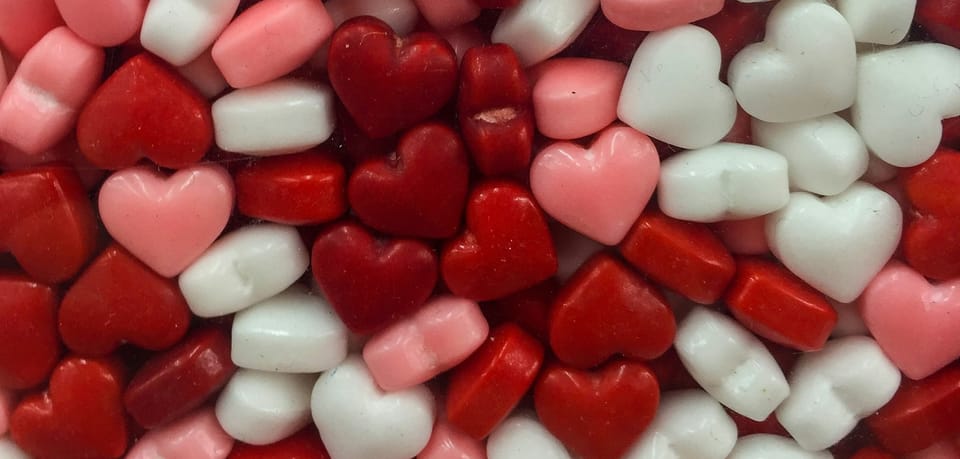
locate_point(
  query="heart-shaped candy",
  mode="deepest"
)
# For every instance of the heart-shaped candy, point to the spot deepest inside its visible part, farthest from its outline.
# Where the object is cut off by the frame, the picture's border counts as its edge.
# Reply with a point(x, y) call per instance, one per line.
point(921, 413)
point(29, 342)
point(260, 407)
point(939, 19)
point(658, 14)
point(688, 424)
point(522, 437)
point(145, 109)
point(10, 450)
point(197, 436)
point(737, 25)
point(805, 67)
point(768, 445)
point(885, 24)
point(929, 185)
point(677, 97)
point(599, 192)
point(931, 245)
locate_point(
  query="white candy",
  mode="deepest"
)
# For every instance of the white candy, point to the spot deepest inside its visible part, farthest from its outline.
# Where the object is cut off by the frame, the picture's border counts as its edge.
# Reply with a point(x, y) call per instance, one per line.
point(280, 117)
point(244, 267)
point(825, 154)
point(730, 363)
point(804, 68)
point(260, 408)
point(400, 15)
point(357, 420)
point(838, 243)
point(882, 22)
point(10, 450)
point(293, 332)
point(539, 29)
point(523, 437)
point(689, 424)
point(903, 95)
point(766, 446)
point(573, 249)
point(205, 75)
point(677, 97)
point(834, 388)
point(726, 181)
point(180, 30)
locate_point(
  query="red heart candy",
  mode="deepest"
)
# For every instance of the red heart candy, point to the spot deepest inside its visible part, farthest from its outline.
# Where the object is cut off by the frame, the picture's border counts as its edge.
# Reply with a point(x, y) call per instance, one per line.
point(505, 248)
point(120, 300)
point(773, 303)
point(300, 189)
point(683, 256)
point(417, 192)
point(940, 18)
point(597, 414)
point(529, 308)
point(145, 109)
point(495, 110)
point(920, 414)
point(931, 245)
point(173, 383)
point(487, 386)
point(386, 82)
point(29, 344)
point(80, 416)
point(931, 186)
point(372, 283)
point(47, 222)
point(305, 444)
point(606, 309)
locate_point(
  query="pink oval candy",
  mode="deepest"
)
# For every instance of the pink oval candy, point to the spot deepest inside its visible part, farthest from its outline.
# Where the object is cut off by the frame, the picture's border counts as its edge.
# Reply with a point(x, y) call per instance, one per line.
point(24, 22)
point(652, 15)
point(576, 97)
point(196, 436)
point(103, 22)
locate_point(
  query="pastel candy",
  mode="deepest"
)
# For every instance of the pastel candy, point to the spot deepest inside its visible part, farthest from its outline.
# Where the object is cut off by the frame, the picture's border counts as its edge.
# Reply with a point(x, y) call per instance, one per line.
point(181, 30)
point(42, 101)
point(650, 15)
point(204, 75)
point(196, 436)
point(23, 23)
point(104, 22)
point(447, 442)
point(539, 29)
point(440, 335)
point(260, 407)
point(883, 23)
point(10, 450)
point(280, 117)
point(766, 446)
point(689, 424)
point(6, 407)
point(521, 437)
point(576, 97)
point(448, 14)
point(401, 15)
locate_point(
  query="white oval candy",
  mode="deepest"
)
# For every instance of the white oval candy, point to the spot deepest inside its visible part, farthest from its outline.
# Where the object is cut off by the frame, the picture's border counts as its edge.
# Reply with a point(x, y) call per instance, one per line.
point(767, 446)
point(260, 408)
point(10, 450)
point(523, 437)
point(180, 30)
point(539, 29)
point(689, 424)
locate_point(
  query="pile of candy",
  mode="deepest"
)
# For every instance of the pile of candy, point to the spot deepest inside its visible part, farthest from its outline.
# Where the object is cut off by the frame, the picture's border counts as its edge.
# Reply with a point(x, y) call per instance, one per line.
point(464, 229)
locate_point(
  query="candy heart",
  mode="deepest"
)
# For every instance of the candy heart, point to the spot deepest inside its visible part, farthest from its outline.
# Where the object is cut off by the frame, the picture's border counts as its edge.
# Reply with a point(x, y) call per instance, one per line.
point(908, 89)
point(529, 308)
point(244, 267)
point(761, 446)
point(506, 246)
point(443, 333)
point(260, 407)
point(180, 30)
point(522, 437)
point(10, 450)
point(928, 246)
point(539, 29)
point(737, 25)
point(167, 222)
point(372, 283)
point(928, 185)
point(688, 424)
point(606, 309)
point(912, 320)
point(599, 192)
point(47, 223)
point(939, 19)
point(488, 386)
point(657, 14)
point(598, 414)
point(29, 343)
point(822, 240)
point(145, 109)
point(731, 364)
point(884, 24)
point(198, 436)
point(831, 390)
point(101, 311)
point(79, 416)
point(357, 420)
point(725, 181)
point(576, 97)
point(921, 413)
point(420, 190)
point(805, 67)
point(173, 383)
point(305, 444)
point(386, 82)
point(674, 97)
point(825, 155)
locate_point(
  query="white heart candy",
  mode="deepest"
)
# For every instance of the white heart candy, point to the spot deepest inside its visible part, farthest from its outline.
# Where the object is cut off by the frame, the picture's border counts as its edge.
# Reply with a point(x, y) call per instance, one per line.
point(767, 446)
point(523, 437)
point(539, 29)
point(884, 23)
point(293, 332)
point(730, 363)
point(689, 424)
point(825, 154)
point(805, 67)
point(357, 420)
point(260, 407)
point(244, 267)
point(10, 450)
point(838, 243)
point(678, 97)
point(832, 389)
point(180, 30)
point(903, 95)
point(726, 181)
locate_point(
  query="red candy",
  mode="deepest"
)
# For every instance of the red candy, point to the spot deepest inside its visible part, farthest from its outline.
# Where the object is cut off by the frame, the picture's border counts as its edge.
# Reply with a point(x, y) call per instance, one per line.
point(305, 444)
point(301, 189)
point(931, 238)
point(940, 18)
point(920, 414)
point(29, 345)
point(530, 308)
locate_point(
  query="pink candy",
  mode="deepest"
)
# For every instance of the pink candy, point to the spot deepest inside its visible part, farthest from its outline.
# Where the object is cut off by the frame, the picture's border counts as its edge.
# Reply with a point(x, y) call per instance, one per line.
point(651, 15)
point(575, 97)
point(448, 14)
point(103, 22)
point(196, 436)
point(24, 22)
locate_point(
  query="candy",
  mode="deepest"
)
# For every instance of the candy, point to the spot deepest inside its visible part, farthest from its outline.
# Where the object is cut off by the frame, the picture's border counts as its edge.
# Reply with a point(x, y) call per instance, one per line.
point(920, 414)
point(938, 19)
point(448, 443)
point(181, 30)
point(884, 24)
point(259, 407)
point(107, 23)
point(575, 97)
point(197, 435)
point(744, 237)
point(539, 29)
point(10, 450)
point(763, 446)
point(23, 24)
point(401, 15)
point(29, 344)
point(658, 14)
point(448, 14)
point(305, 444)
point(521, 437)
point(204, 75)
point(689, 424)
point(296, 189)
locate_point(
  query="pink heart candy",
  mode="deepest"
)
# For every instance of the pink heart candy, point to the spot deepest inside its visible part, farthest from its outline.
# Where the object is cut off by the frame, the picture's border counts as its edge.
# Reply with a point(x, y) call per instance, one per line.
point(436, 338)
point(652, 15)
point(916, 324)
point(600, 191)
point(196, 436)
point(447, 442)
point(167, 222)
